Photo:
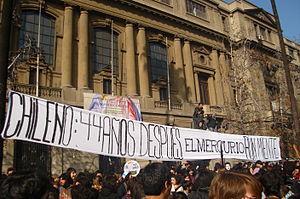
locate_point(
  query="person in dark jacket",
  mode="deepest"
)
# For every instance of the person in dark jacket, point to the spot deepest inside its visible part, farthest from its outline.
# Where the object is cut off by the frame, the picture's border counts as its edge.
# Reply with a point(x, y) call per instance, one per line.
point(198, 117)
point(109, 190)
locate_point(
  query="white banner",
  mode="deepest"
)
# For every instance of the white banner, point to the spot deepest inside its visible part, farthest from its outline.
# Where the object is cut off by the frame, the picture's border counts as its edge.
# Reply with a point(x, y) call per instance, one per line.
point(46, 122)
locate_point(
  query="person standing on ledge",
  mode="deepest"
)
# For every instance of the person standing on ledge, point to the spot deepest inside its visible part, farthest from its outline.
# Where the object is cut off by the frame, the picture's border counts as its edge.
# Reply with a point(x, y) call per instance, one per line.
point(198, 116)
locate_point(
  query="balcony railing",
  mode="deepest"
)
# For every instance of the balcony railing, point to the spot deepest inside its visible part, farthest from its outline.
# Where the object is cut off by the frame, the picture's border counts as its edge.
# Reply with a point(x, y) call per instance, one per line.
point(210, 109)
point(44, 92)
point(164, 104)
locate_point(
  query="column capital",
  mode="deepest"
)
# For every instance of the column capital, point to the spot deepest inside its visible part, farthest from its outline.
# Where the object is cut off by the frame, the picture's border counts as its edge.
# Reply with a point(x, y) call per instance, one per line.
point(222, 52)
point(129, 25)
point(142, 25)
point(84, 12)
point(214, 49)
point(177, 39)
point(68, 7)
point(186, 41)
point(141, 28)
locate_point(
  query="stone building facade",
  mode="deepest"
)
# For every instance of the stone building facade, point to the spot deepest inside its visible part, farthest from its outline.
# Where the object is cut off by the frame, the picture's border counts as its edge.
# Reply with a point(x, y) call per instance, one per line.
point(224, 55)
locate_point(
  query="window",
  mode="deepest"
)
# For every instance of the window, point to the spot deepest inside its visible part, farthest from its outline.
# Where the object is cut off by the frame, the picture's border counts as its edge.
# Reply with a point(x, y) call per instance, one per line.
point(203, 86)
point(158, 61)
point(291, 52)
point(163, 94)
point(196, 8)
point(272, 90)
point(270, 36)
point(235, 99)
point(106, 86)
point(225, 23)
point(101, 52)
point(29, 30)
point(32, 75)
point(263, 32)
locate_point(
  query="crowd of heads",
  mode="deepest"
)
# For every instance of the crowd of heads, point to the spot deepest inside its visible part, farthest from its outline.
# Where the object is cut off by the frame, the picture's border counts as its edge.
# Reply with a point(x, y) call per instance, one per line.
point(178, 180)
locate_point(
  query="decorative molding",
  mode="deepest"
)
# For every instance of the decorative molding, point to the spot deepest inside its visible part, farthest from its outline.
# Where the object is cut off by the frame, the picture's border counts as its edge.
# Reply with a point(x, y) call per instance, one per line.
point(174, 18)
point(158, 38)
point(204, 69)
point(106, 23)
point(45, 8)
point(261, 15)
point(201, 50)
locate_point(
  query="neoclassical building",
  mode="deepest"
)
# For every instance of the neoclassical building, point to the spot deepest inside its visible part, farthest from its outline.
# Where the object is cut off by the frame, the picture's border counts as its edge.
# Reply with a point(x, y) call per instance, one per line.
point(224, 55)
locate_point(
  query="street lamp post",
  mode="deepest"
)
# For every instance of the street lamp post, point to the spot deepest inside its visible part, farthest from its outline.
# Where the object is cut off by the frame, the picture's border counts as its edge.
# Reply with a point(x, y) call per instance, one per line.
point(295, 114)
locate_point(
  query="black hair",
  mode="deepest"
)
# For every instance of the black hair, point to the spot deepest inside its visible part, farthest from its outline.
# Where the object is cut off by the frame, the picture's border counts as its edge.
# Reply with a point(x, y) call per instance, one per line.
point(70, 181)
point(178, 195)
point(200, 188)
point(153, 178)
point(81, 189)
point(178, 178)
point(271, 184)
point(25, 185)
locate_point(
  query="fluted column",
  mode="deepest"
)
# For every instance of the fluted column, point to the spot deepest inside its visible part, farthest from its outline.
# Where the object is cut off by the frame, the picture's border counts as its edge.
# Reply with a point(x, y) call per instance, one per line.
point(225, 77)
point(83, 60)
point(218, 80)
point(142, 62)
point(130, 60)
point(66, 68)
point(179, 81)
point(190, 83)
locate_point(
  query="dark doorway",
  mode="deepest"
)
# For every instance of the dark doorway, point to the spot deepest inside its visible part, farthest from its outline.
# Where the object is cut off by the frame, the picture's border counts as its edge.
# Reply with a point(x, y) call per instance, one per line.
point(32, 157)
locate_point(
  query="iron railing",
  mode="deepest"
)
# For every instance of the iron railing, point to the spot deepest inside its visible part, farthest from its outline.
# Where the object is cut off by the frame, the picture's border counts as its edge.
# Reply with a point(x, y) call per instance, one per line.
point(164, 104)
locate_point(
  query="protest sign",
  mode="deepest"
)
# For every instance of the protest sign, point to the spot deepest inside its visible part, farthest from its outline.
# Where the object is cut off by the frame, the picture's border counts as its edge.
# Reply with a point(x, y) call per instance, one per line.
point(120, 106)
point(132, 167)
point(46, 122)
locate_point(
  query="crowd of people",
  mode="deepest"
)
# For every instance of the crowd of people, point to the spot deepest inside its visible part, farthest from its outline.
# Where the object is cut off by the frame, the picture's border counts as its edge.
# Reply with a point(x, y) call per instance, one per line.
point(179, 180)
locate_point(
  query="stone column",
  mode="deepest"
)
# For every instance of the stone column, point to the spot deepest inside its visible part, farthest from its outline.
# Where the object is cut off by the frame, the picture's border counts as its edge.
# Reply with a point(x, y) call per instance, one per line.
point(212, 91)
point(83, 58)
point(225, 77)
point(66, 68)
point(197, 88)
point(142, 62)
point(130, 60)
point(179, 79)
point(257, 30)
point(190, 83)
point(218, 81)
point(43, 78)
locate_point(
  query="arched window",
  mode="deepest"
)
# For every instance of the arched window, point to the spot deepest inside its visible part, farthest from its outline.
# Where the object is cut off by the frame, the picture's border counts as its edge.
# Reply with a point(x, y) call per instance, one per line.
point(158, 61)
point(101, 51)
point(29, 33)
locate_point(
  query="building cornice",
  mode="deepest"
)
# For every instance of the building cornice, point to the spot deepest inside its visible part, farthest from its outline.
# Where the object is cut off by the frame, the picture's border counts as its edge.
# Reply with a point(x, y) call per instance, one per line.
point(88, 5)
point(172, 17)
